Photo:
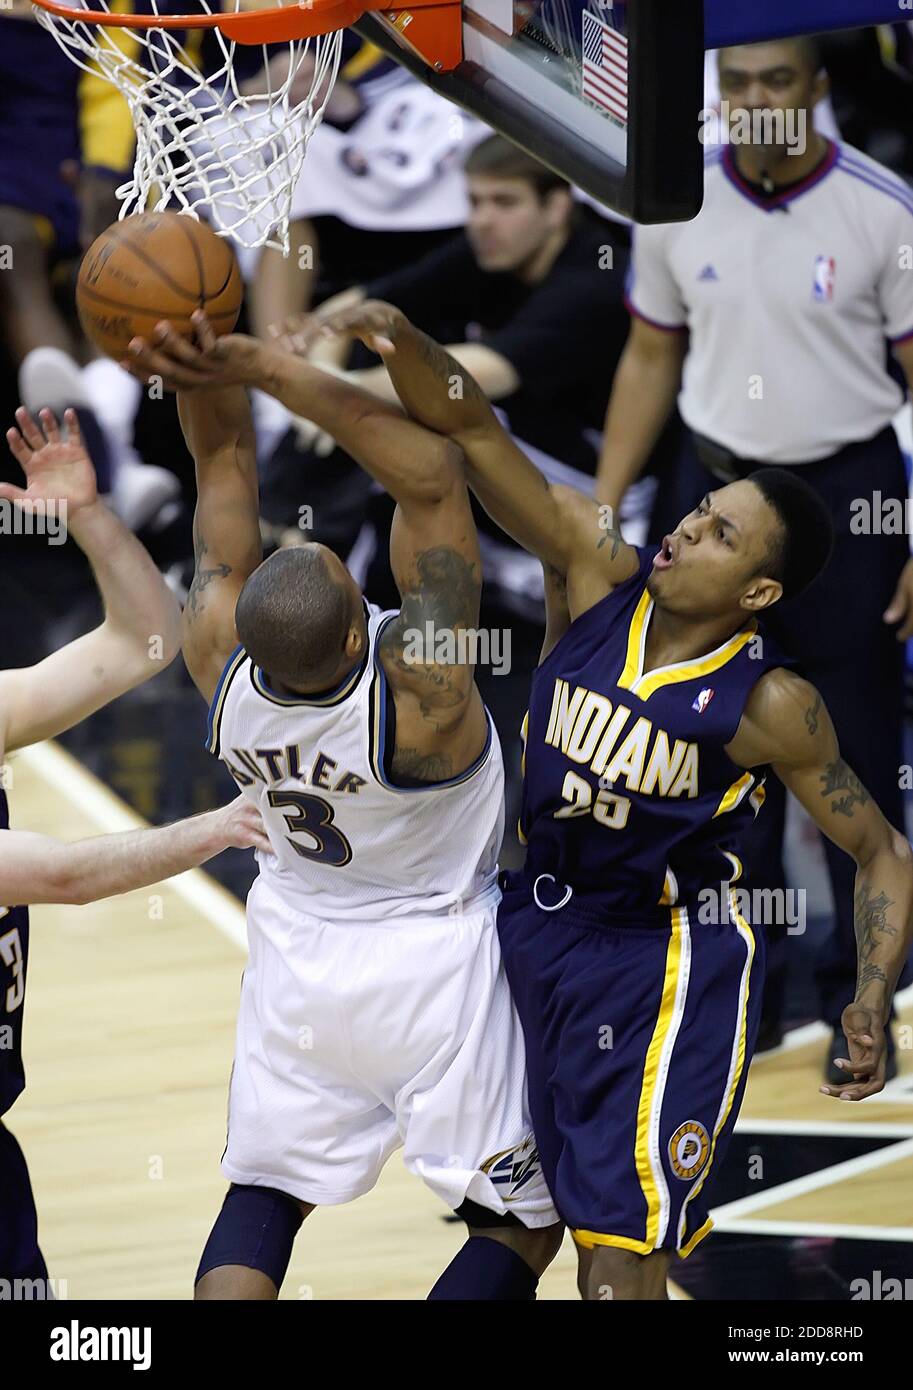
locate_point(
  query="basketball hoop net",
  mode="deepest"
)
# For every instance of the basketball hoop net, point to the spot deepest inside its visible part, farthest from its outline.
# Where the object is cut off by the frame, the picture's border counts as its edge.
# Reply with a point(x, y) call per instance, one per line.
point(206, 139)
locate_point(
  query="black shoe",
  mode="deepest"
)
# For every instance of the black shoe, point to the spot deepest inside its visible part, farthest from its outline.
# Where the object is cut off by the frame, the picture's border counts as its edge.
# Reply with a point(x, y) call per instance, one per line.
point(836, 1076)
point(770, 1035)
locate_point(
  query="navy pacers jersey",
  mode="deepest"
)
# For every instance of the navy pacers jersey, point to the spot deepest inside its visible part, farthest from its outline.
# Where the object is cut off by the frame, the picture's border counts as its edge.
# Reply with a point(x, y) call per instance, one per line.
point(629, 797)
point(14, 945)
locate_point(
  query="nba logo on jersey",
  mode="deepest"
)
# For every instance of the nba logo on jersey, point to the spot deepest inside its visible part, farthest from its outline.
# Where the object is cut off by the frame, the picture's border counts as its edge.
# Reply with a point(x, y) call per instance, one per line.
point(825, 272)
point(703, 699)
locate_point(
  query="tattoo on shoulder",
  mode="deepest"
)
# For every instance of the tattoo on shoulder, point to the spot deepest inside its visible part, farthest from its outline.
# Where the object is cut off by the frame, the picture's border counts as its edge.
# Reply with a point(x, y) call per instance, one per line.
point(838, 778)
point(441, 602)
point(811, 715)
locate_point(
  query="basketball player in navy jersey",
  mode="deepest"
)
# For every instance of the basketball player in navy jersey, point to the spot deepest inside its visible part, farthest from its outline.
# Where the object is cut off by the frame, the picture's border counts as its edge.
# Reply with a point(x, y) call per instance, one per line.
point(37, 702)
point(654, 716)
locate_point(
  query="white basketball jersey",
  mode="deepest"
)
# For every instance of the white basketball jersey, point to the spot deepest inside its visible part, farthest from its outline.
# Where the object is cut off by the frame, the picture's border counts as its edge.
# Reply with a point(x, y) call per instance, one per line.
point(346, 842)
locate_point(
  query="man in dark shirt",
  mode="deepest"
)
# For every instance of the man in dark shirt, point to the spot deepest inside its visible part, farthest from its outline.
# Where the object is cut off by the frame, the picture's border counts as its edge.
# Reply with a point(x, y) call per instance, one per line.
point(529, 298)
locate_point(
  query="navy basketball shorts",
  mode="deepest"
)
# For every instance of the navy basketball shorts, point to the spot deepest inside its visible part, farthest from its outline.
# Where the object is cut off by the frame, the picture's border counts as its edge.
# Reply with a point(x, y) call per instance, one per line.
point(20, 1257)
point(638, 1040)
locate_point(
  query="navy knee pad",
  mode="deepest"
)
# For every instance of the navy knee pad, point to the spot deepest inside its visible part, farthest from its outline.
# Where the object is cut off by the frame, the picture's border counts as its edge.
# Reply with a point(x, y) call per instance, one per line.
point(256, 1228)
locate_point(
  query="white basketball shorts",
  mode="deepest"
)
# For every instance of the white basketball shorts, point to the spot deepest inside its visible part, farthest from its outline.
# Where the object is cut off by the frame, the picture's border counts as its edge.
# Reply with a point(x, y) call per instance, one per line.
point(355, 1039)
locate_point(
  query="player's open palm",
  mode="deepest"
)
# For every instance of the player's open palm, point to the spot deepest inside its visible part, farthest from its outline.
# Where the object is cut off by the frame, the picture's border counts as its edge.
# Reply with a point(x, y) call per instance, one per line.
point(57, 467)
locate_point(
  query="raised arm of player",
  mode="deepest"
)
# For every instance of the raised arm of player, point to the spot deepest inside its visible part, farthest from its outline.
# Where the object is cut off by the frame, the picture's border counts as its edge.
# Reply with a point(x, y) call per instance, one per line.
point(787, 725)
point(562, 527)
point(433, 545)
point(226, 526)
point(140, 632)
point(39, 869)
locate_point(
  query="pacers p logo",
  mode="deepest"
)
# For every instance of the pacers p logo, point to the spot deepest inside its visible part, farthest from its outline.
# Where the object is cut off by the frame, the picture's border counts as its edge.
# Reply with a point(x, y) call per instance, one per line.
point(688, 1149)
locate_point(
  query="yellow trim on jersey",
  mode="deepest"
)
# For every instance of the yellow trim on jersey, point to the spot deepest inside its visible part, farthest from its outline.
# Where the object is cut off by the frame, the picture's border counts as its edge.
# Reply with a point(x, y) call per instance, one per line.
point(696, 1239)
point(637, 632)
point(644, 685)
point(589, 1239)
point(740, 1058)
point(734, 794)
point(524, 733)
point(664, 1022)
point(737, 865)
point(218, 699)
point(520, 836)
point(670, 889)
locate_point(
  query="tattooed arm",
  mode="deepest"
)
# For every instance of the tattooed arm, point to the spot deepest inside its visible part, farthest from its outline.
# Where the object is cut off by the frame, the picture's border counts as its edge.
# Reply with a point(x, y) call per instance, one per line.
point(226, 531)
point(786, 724)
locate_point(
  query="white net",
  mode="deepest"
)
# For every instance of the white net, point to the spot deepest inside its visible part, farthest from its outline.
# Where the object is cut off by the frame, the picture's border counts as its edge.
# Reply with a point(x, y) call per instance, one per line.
point(209, 140)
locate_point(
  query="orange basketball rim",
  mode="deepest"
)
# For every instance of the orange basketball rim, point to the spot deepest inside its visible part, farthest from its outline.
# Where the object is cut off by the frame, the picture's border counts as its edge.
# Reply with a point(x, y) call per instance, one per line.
point(431, 28)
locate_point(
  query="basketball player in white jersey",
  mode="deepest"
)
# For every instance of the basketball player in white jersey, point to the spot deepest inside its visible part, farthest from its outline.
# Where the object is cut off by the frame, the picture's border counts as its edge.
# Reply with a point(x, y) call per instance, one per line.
point(374, 1010)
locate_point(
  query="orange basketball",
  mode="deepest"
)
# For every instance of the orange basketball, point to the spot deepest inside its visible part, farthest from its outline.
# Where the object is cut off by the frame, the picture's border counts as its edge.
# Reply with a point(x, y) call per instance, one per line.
point(156, 265)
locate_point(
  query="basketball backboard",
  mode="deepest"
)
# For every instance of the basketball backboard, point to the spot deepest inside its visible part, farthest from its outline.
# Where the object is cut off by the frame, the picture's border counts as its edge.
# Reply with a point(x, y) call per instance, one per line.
point(608, 92)
point(595, 89)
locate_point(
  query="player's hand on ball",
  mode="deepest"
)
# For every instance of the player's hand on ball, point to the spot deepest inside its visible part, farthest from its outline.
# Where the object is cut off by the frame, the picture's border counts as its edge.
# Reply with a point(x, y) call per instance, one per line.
point(183, 366)
point(57, 466)
point(243, 826)
point(866, 1045)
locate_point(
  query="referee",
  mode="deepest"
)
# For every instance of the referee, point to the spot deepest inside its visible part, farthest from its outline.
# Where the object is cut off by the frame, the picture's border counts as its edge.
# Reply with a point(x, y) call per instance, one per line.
point(767, 317)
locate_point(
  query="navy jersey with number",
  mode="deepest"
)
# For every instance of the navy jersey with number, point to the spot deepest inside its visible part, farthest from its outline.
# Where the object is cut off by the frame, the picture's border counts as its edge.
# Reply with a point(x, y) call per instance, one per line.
point(629, 796)
point(14, 945)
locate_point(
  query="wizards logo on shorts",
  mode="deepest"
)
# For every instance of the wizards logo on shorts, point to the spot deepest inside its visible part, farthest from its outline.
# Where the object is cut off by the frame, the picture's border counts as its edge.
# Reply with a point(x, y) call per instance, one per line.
point(513, 1168)
point(825, 275)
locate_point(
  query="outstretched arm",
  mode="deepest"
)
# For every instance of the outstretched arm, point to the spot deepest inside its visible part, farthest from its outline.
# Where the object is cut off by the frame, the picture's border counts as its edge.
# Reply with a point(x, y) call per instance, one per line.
point(39, 869)
point(226, 527)
point(140, 633)
point(562, 527)
point(787, 724)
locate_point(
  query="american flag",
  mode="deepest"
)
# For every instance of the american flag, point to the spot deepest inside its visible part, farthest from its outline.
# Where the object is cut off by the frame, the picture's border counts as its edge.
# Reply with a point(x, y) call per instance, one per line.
point(605, 66)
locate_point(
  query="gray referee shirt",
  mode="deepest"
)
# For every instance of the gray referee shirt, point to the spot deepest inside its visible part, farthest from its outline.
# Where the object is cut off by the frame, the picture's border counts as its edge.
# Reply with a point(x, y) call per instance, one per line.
point(788, 300)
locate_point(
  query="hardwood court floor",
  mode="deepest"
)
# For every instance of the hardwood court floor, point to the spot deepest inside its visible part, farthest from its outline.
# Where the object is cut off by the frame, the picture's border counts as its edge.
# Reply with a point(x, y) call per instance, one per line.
point(128, 1043)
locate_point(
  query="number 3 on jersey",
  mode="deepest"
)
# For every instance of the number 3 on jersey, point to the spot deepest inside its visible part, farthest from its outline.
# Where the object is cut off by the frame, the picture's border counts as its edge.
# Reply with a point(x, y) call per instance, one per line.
point(314, 817)
point(11, 955)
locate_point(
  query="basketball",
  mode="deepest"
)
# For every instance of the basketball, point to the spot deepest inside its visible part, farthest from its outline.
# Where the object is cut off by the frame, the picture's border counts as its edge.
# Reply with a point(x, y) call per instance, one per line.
point(153, 266)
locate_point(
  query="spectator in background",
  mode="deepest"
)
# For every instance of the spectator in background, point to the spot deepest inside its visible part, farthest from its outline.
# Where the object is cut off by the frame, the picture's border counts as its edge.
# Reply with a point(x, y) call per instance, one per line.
point(66, 142)
point(530, 299)
point(789, 281)
point(381, 186)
